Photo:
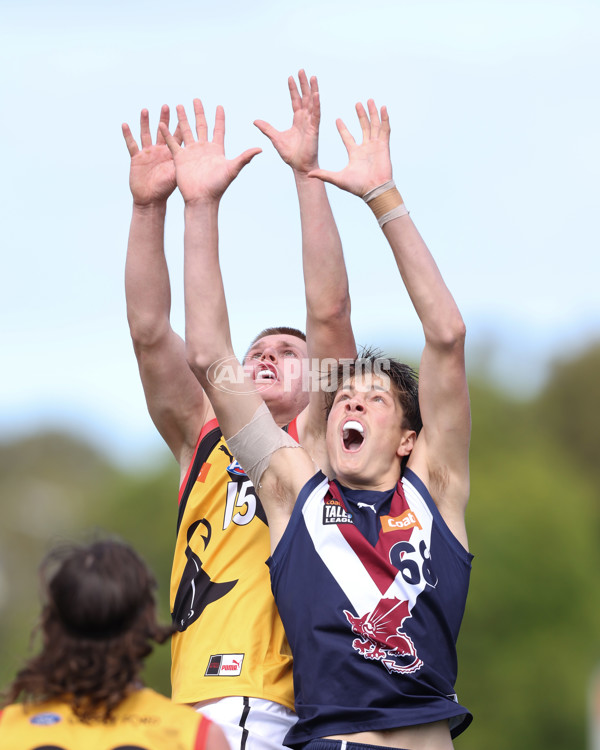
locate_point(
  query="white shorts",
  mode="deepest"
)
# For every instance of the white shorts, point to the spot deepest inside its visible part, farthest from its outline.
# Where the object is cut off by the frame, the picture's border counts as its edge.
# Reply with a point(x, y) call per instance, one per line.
point(250, 723)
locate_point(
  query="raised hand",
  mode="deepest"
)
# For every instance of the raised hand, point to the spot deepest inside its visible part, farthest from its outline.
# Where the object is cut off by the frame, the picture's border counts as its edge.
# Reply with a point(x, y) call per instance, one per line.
point(369, 162)
point(152, 171)
point(202, 171)
point(298, 146)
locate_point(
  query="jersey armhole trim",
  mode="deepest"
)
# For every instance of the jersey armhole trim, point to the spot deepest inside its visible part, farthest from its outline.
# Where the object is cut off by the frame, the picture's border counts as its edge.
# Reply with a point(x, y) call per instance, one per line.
point(209, 437)
point(210, 425)
point(313, 484)
point(412, 479)
point(292, 429)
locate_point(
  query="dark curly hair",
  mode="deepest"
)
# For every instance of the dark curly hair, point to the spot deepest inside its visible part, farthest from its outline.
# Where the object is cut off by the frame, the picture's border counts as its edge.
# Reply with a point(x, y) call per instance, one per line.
point(98, 624)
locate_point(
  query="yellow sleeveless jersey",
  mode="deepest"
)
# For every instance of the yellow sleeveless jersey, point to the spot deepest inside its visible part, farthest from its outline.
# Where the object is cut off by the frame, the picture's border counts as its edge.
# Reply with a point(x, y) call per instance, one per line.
point(144, 720)
point(230, 640)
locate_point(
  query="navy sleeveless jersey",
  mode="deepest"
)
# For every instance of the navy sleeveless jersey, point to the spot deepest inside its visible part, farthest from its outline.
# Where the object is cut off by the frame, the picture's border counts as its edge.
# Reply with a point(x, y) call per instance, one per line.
point(372, 620)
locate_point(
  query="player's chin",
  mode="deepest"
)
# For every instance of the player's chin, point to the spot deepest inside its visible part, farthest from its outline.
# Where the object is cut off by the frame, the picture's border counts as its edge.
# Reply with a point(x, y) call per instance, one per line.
point(351, 463)
point(279, 394)
point(270, 392)
point(264, 386)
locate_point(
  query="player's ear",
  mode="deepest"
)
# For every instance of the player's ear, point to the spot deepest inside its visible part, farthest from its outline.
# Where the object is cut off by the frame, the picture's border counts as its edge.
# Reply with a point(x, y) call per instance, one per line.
point(407, 443)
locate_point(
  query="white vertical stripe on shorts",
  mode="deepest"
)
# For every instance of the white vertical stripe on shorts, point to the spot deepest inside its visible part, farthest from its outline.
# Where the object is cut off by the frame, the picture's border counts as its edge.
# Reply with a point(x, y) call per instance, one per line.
point(250, 723)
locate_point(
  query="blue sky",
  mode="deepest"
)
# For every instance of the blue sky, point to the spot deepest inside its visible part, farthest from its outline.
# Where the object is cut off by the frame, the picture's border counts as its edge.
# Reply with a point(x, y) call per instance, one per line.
point(495, 120)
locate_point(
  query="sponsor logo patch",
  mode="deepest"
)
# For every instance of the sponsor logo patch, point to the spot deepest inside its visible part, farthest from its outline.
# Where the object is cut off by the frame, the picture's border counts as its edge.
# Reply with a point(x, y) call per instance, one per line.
point(224, 665)
point(407, 520)
point(235, 470)
point(45, 720)
point(203, 473)
point(334, 513)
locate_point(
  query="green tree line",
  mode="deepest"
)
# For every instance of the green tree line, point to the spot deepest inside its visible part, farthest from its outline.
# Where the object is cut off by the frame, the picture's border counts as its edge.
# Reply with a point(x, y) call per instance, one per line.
point(531, 634)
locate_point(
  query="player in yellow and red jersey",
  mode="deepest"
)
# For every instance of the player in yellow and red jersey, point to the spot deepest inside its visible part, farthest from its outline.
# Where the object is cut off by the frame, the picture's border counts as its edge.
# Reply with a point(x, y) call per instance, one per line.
point(230, 654)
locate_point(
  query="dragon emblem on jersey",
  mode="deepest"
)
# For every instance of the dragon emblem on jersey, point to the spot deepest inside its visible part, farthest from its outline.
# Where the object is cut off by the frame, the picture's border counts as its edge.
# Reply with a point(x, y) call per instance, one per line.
point(381, 638)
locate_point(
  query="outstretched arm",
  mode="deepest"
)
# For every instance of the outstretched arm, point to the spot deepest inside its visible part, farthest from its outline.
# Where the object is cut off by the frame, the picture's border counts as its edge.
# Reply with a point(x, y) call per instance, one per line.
point(203, 174)
point(440, 455)
point(328, 328)
point(175, 400)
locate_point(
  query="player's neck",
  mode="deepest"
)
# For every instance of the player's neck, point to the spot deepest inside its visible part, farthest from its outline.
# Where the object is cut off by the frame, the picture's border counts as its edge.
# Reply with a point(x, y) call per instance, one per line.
point(283, 414)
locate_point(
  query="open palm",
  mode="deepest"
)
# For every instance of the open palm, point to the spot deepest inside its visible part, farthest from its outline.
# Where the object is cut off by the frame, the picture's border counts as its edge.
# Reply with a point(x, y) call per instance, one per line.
point(298, 146)
point(152, 171)
point(202, 170)
point(369, 162)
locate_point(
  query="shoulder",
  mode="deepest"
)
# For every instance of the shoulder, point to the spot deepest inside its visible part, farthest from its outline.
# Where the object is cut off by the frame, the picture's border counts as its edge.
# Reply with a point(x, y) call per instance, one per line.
point(191, 462)
point(311, 436)
point(149, 701)
point(445, 495)
point(34, 714)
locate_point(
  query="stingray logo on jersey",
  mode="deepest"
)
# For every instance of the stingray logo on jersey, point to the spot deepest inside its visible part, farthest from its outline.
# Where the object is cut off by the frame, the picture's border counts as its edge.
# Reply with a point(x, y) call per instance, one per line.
point(381, 637)
point(224, 665)
point(235, 470)
point(334, 513)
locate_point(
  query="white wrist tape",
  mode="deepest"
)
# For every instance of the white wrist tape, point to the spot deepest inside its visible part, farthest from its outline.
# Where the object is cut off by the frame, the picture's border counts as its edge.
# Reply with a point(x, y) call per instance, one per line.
point(386, 202)
point(256, 442)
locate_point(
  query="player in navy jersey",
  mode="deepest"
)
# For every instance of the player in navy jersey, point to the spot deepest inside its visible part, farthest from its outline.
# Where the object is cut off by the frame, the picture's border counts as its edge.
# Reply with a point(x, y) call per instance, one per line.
point(370, 570)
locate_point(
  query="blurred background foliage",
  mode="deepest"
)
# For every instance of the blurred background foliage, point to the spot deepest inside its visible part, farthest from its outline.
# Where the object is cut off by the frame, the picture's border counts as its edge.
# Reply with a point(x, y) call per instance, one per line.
point(531, 635)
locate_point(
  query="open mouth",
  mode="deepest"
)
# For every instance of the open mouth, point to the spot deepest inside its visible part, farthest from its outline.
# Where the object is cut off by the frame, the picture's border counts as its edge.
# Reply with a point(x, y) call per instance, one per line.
point(266, 375)
point(353, 435)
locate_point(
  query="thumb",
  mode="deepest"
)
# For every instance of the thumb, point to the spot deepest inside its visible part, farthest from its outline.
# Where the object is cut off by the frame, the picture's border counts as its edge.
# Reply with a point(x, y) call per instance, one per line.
point(325, 176)
point(266, 129)
point(245, 158)
point(171, 141)
point(178, 135)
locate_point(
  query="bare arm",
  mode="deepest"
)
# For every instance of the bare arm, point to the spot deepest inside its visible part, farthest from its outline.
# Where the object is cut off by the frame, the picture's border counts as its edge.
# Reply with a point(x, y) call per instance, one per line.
point(175, 399)
point(215, 738)
point(328, 328)
point(203, 174)
point(440, 455)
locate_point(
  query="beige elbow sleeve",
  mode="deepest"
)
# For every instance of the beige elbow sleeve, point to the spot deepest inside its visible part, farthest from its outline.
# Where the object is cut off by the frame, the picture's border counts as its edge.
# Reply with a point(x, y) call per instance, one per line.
point(256, 442)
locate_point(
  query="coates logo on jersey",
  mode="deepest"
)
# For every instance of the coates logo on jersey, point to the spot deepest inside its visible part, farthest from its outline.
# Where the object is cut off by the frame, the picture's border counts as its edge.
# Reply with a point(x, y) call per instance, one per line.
point(333, 512)
point(224, 665)
point(235, 470)
point(406, 521)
